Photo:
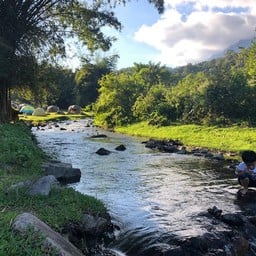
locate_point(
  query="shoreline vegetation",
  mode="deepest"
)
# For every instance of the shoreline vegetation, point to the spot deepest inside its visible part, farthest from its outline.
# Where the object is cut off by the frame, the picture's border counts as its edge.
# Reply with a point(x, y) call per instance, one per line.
point(229, 140)
point(21, 159)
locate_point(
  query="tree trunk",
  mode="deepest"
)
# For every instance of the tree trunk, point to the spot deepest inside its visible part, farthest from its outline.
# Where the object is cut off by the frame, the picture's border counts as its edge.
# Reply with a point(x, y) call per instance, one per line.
point(5, 103)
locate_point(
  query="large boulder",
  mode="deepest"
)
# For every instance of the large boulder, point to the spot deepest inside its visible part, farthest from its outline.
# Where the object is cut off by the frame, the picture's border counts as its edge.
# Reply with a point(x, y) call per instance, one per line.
point(103, 152)
point(63, 172)
point(51, 239)
point(94, 225)
point(43, 186)
point(74, 109)
point(120, 148)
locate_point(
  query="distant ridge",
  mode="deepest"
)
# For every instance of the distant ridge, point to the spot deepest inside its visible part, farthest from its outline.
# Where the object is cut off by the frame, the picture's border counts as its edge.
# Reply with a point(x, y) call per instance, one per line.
point(236, 47)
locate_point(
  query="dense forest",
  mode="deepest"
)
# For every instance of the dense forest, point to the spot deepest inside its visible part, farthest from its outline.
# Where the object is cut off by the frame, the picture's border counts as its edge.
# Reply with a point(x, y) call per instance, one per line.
point(216, 92)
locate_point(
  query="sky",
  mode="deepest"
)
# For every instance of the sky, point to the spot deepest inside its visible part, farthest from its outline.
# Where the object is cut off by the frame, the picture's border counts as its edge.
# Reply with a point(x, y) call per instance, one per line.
point(187, 32)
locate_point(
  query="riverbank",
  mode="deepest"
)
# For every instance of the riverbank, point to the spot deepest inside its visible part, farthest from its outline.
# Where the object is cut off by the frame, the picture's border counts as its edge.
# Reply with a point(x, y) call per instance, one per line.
point(21, 160)
point(159, 190)
point(38, 205)
point(231, 140)
point(35, 120)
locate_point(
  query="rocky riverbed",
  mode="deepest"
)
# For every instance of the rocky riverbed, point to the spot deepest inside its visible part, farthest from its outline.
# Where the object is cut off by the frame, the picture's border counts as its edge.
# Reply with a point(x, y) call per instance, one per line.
point(224, 231)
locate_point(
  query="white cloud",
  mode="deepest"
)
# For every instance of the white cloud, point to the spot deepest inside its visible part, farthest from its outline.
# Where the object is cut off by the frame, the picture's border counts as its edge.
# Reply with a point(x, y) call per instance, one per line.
point(211, 3)
point(189, 35)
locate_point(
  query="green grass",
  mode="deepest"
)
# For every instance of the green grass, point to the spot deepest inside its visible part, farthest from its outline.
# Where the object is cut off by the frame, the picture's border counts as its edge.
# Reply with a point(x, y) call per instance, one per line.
point(20, 160)
point(53, 117)
point(233, 139)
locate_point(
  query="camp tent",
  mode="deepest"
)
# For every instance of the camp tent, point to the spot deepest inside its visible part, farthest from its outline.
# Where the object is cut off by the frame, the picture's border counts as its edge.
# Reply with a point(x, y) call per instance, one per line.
point(38, 112)
point(27, 110)
point(52, 108)
point(74, 109)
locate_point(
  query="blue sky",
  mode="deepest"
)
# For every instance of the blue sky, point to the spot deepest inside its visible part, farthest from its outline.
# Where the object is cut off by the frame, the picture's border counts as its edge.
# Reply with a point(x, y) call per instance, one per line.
point(133, 16)
point(187, 32)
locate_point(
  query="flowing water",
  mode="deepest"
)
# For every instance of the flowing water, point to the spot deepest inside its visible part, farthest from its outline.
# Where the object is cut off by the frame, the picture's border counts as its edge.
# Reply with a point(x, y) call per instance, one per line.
point(152, 196)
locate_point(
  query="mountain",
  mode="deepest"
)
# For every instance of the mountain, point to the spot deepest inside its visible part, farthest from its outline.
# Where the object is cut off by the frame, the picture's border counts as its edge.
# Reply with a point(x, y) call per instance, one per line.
point(236, 47)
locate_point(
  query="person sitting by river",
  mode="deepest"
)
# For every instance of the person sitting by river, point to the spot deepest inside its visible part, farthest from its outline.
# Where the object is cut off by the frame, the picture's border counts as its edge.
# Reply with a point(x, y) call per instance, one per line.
point(246, 171)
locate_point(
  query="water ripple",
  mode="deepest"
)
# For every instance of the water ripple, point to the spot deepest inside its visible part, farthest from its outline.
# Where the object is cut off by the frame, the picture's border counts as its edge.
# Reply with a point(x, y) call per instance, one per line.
point(153, 197)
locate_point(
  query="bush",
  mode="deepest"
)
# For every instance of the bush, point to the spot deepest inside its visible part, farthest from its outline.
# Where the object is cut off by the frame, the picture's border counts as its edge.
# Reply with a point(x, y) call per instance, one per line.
point(158, 120)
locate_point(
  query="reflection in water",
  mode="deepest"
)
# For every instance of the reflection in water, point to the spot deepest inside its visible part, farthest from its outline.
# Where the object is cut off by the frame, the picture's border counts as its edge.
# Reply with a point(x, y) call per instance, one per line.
point(154, 197)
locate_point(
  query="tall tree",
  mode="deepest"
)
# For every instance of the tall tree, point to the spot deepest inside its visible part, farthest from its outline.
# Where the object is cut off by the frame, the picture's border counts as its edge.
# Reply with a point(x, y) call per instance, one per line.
point(88, 76)
point(56, 86)
point(153, 73)
point(250, 63)
point(39, 27)
point(117, 94)
point(154, 106)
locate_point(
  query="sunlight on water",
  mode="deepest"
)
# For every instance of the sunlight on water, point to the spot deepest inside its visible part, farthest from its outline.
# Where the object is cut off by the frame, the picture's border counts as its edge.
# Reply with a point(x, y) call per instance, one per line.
point(148, 194)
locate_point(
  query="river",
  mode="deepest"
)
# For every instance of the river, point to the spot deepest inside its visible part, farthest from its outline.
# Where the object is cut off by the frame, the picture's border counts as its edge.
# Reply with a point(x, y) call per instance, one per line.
point(152, 196)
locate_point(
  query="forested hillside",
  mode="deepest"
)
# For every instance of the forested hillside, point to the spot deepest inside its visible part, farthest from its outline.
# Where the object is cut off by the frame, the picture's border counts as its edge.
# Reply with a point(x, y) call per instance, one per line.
point(217, 92)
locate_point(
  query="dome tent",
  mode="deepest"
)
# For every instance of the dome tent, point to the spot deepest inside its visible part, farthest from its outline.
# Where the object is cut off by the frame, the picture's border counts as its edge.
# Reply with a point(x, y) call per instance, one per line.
point(27, 109)
point(52, 108)
point(74, 109)
point(39, 112)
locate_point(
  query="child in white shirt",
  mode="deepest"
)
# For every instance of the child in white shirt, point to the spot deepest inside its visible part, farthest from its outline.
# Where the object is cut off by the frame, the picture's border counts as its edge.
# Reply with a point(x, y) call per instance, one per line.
point(246, 171)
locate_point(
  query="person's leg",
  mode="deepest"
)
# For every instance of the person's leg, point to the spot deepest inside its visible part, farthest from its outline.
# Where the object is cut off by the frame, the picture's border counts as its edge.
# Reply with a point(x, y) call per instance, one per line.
point(245, 183)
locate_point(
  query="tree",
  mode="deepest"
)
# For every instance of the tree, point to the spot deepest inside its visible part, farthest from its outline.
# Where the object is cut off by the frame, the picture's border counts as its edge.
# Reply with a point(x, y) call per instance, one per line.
point(231, 99)
point(188, 97)
point(117, 95)
point(153, 73)
point(39, 27)
point(88, 76)
point(154, 106)
point(250, 63)
point(56, 86)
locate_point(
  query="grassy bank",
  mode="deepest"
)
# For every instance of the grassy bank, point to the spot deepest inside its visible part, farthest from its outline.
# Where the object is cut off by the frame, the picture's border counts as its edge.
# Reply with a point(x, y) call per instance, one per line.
point(229, 139)
point(20, 160)
point(53, 117)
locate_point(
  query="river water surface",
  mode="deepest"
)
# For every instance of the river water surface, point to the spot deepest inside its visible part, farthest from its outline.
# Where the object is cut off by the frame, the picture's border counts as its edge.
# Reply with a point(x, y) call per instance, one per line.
point(152, 196)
